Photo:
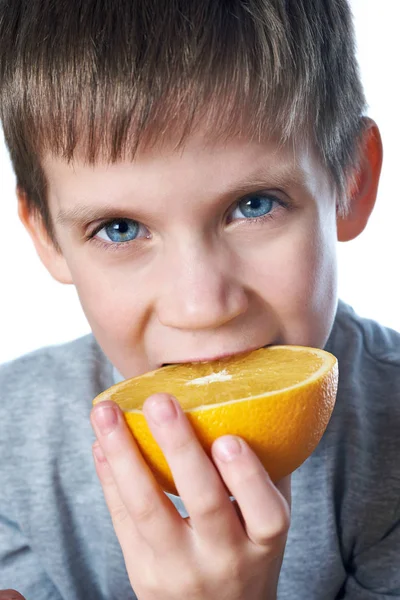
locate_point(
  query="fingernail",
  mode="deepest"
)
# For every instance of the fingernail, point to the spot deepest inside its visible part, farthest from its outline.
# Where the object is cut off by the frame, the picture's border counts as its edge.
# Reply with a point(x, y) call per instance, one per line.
point(161, 410)
point(227, 448)
point(106, 419)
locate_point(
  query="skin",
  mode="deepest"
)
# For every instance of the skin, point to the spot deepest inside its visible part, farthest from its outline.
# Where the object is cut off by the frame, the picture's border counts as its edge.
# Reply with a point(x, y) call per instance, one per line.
point(201, 280)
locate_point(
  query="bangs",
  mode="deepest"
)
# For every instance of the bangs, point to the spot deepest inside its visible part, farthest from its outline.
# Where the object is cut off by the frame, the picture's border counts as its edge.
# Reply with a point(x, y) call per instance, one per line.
point(114, 121)
point(121, 79)
point(105, 78)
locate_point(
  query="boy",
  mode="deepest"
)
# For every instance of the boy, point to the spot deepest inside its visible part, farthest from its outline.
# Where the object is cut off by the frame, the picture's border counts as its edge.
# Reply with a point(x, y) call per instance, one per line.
point(225, 144)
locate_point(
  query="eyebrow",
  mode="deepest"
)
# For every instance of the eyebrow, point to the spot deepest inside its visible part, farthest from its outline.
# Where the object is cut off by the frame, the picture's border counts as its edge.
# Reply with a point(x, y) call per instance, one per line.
point(81, 214)
point(84, 214)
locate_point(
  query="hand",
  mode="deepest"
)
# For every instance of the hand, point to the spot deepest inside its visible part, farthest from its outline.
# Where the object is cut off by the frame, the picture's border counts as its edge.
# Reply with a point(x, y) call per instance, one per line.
point(222, 551)
point(10, 595)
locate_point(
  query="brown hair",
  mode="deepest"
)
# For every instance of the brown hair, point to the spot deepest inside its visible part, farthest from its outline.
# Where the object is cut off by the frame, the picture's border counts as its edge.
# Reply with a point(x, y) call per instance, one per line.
point(105, 76)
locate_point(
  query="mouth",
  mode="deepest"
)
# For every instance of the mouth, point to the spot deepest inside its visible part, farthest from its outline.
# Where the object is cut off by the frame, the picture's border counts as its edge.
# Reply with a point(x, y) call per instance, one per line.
point(214, 357)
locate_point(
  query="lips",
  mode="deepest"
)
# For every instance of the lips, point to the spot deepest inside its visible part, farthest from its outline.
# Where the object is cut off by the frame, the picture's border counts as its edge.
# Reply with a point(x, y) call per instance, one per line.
point(214, 357)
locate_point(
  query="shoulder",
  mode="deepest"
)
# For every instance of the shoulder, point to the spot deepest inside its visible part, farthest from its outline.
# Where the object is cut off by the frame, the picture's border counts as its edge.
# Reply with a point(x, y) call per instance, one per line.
point(45, 432)
point(369, 372)
point(369, 369)
point(45, 402)
point(367, 352)
point(48, 393)
point(54, 367)
point(381, 343)
point(365, 425)
point(376, 341)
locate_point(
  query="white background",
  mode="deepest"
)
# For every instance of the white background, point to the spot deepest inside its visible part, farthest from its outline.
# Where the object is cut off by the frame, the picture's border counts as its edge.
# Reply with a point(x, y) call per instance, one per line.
point(37, 311)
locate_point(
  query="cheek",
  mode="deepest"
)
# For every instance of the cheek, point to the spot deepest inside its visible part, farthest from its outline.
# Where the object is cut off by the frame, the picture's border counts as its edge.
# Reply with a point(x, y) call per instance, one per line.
point(298, 284)
point(117, 319)
point(314, 294)
point(110, 303)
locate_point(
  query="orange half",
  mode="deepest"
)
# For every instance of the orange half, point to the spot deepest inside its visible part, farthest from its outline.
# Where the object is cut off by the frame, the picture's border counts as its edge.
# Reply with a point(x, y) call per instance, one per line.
point(278, 399)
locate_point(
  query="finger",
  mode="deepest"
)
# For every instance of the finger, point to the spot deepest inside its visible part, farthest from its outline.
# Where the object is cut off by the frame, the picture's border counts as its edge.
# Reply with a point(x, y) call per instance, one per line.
point(130, 485)
point(285, 488)
point(265, 511)
point(10, 595)
point(123, 524)
point(196, 478)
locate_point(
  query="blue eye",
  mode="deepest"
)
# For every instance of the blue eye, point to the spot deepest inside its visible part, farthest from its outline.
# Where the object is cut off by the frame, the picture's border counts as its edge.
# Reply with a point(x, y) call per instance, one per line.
point(120, 230)
point(254, 206)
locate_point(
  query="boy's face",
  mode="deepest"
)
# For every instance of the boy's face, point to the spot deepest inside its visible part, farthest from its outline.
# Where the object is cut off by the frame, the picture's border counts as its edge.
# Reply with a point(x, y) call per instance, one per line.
point(211, 250)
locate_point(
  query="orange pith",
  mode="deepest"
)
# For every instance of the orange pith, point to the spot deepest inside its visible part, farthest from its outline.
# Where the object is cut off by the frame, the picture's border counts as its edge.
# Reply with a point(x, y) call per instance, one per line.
point(279, 399)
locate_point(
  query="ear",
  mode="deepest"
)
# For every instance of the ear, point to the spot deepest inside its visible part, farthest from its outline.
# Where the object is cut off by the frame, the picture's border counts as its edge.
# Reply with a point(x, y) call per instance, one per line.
point(363, 192)
point(50, 255)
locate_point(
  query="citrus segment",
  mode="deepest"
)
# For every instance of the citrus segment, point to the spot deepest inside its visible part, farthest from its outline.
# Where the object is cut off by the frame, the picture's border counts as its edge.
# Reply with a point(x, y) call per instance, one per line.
point(279, 399)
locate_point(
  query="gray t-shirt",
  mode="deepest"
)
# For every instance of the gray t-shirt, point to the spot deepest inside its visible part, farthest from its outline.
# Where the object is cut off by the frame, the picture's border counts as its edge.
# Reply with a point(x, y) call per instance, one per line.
point(56, 537)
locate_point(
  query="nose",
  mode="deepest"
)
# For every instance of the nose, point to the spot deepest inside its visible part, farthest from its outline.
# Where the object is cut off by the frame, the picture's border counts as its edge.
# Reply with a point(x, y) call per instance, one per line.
point(199, 291)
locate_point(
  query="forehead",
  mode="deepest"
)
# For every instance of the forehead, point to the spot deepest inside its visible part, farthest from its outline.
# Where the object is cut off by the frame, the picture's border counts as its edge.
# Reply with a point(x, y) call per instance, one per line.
point(272, 153)
point(212, 167)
